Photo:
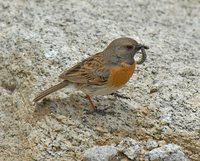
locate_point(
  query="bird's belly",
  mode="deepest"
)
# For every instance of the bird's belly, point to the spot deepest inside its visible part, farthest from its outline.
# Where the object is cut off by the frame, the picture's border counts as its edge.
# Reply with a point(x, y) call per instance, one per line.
point(120, 75)
point(95, 90)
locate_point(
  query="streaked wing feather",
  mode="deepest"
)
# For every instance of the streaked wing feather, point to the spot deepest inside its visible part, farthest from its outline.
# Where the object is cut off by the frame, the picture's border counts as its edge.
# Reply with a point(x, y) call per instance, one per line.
point(90, 70)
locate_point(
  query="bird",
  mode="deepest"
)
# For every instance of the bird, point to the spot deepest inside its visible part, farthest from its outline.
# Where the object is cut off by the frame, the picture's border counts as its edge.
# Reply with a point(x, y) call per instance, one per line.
point(102, 73)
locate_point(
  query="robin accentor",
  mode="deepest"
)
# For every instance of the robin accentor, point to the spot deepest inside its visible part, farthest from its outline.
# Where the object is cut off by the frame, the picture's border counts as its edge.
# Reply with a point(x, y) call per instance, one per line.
point(104, 72)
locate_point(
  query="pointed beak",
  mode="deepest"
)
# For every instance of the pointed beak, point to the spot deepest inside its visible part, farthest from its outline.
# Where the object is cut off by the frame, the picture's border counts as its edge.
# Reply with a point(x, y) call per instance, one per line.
point(140, 46)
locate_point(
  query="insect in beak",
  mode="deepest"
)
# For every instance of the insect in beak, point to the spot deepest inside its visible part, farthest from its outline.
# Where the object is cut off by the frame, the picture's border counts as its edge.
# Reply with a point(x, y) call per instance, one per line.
point(143, 52)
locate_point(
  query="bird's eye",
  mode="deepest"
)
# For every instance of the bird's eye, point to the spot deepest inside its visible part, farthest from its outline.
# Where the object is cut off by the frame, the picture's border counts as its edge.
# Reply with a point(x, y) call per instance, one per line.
point(129, 46)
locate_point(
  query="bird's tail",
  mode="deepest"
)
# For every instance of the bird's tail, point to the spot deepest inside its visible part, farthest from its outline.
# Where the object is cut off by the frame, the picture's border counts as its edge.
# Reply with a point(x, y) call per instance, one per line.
point(51, 90)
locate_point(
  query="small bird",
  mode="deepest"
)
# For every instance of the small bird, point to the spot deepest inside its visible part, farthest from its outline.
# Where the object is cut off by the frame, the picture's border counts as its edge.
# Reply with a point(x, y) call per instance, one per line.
point(104, 72)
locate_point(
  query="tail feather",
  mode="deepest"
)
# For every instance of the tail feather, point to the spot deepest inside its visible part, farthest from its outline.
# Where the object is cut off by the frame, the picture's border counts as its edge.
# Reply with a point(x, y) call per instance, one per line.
point(51, 90)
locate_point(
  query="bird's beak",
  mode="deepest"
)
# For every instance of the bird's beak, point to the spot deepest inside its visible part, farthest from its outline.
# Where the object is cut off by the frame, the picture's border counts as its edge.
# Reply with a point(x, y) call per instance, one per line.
point(141, 46)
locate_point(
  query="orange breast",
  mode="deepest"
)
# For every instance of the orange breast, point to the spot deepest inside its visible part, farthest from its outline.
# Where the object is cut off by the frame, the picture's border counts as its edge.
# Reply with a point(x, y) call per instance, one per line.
point(121, 74)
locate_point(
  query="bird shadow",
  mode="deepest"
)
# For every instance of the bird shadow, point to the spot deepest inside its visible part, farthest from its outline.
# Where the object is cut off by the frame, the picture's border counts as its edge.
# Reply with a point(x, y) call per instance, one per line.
point(79, 105)
point(113, 114)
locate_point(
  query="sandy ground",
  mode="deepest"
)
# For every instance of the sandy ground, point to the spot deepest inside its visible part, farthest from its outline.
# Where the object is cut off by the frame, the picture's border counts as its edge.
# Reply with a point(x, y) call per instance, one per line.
point(39, 39)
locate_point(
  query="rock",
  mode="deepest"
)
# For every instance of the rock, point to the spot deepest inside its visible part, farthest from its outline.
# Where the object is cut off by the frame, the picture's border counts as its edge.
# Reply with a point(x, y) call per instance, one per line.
point(150, 144)
point(169, 152)
point(129, 147)
point(40, 39)
point(101, 153)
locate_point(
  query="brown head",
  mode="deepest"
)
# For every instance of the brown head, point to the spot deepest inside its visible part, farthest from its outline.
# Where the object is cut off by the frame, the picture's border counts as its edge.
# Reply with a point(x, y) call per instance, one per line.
point(123, 50)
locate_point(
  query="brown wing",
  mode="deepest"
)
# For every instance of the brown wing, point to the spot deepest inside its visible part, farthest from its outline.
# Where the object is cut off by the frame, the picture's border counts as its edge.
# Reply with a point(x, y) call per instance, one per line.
point(91, 70)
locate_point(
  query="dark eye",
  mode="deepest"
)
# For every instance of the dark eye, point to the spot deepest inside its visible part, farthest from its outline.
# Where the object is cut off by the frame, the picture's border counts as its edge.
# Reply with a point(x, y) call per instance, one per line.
point(129, 46)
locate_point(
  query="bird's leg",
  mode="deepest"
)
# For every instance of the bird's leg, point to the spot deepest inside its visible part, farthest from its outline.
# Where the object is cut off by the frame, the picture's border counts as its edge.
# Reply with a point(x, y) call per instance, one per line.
point(91, 102)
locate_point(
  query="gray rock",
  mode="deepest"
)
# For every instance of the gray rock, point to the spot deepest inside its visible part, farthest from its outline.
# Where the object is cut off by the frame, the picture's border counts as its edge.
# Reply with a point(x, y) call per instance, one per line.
point(150, 144)
point(39, 39)
point(169, 152)
point(101, 153)
point(129, 147)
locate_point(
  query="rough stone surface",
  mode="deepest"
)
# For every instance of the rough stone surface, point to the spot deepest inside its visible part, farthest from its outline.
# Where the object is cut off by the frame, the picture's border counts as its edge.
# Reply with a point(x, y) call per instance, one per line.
point(39, 39)
point(129, 147)
point(151, 144)
point(169, 152)
point(101, 153)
